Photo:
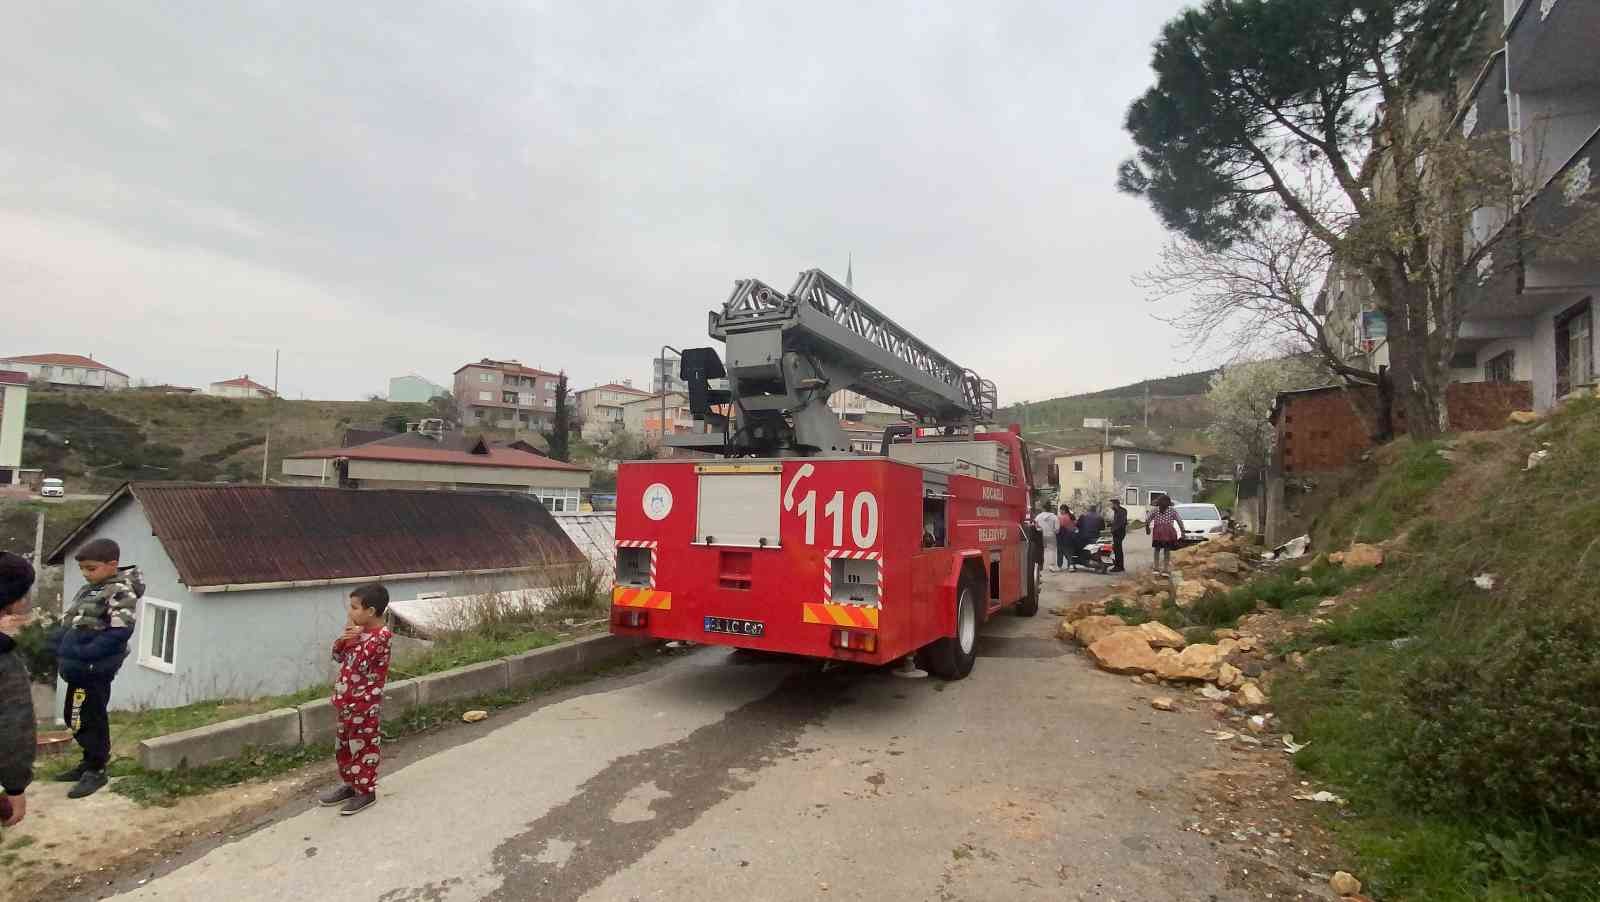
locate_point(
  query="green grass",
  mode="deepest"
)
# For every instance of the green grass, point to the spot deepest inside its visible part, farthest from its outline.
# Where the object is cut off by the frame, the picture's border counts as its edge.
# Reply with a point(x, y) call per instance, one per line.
point(1467, 750)
point(459, 651)
point(1380, 510)
point(1290, 590)
point(166, 788)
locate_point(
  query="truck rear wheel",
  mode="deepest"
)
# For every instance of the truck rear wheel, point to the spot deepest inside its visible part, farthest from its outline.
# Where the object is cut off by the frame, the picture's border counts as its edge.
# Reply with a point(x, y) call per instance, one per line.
point(1029, 605)
point(952, 658)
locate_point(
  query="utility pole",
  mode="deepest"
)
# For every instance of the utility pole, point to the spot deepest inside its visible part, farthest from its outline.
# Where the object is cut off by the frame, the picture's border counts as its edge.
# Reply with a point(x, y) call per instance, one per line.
point(1147, 407)
point(38, 541)
point(272, 412)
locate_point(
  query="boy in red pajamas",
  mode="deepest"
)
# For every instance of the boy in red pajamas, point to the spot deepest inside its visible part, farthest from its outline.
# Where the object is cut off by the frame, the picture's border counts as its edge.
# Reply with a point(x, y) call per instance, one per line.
point(362, 651)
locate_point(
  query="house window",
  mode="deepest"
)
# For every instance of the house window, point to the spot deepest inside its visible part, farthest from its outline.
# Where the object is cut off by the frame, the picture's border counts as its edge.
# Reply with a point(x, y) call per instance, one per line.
point(158, 645)
point(550, 385)
point(44, 372)
point(1077, 466)
point(1177, 466)
point(1500, 367)
point(486, 396)
point(1130, 463)
point(549, 402)
point(1130, 495)
point(486, 377)
point(509, 397)
point(557, 501)
point(1574, 349)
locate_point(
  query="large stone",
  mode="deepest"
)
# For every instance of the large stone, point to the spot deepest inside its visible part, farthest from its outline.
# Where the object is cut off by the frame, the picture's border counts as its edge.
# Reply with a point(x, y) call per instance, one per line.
point(1160, 635)
point(1361, 555)
point(1125, 651)
point(1229, 676)
point(1226, 562)
point(1523, 417)
point(1163, 703)
point(1344, 883)
point(1090, 630)
point(1251, 696)
point(463, 682)
point(1197, 662)
point(1189, 591)
point(1224, 633)
point(218, 741)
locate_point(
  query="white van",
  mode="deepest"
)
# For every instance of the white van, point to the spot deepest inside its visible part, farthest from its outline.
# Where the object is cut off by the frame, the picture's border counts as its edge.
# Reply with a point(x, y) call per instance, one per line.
point(51, 487)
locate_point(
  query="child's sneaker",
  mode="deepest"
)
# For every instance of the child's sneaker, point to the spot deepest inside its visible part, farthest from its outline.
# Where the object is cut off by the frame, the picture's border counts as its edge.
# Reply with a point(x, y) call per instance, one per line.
point(359, 803)
point(337, 795)
point(90, 783)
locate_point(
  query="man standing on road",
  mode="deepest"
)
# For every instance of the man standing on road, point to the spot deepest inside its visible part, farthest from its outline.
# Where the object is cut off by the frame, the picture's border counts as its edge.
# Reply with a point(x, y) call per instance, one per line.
point(1048, 525)
point(1119, 531)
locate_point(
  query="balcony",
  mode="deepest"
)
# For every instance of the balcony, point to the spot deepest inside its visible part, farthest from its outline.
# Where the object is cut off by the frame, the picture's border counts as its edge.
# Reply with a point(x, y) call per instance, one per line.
point(1552, 44)
point(1485, 112)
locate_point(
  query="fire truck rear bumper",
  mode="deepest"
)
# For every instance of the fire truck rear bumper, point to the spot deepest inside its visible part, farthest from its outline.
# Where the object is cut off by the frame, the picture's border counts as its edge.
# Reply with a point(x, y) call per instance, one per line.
point(840, 632)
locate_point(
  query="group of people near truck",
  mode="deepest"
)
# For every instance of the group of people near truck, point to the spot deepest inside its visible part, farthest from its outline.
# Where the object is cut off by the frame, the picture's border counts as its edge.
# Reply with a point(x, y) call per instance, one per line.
point(91, 644)
point(1068, 532)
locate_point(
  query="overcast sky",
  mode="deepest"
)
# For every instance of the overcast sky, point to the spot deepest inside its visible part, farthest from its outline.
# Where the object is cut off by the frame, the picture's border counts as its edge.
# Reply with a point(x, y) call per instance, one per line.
point(394, 187)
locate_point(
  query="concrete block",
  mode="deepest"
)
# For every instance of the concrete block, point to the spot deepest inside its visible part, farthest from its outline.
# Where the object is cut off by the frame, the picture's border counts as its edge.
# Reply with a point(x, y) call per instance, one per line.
point(319, 721)
point(598, 650)
point(218, 741)
point(542, 663)
point(463, 682)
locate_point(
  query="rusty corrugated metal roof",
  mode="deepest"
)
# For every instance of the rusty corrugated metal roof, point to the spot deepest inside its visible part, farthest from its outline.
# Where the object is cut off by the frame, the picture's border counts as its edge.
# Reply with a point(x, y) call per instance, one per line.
point(233, 535)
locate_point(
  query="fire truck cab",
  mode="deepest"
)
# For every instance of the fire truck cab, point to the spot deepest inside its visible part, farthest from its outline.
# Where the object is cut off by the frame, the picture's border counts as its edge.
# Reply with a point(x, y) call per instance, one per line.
point(787, 541)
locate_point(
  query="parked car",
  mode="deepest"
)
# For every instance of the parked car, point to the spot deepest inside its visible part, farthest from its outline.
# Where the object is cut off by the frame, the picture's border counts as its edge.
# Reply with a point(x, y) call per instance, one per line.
point(51, 487)
point(1201, 522)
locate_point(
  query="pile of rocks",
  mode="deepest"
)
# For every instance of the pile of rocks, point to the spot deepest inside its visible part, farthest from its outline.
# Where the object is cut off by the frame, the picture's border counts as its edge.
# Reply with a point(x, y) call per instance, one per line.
point(1155, 653)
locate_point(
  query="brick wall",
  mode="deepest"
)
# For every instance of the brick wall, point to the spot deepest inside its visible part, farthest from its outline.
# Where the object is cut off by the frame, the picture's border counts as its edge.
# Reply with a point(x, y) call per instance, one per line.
point(1321, 431)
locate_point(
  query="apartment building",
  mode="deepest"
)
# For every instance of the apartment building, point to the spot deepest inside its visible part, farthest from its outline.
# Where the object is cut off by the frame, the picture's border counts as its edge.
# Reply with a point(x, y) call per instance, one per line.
point(66, 371)
point(601, 407)
point(1529, 317)
point(643, 416)
point(505, 394)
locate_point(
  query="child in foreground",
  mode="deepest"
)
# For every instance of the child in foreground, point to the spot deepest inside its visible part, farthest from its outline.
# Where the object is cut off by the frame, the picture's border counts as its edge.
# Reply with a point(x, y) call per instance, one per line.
point(362, 651)
point(92, 646)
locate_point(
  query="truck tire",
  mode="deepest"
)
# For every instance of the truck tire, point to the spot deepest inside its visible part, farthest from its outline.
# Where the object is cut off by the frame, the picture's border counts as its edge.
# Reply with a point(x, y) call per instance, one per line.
point(1029, 605)
point(951, 658)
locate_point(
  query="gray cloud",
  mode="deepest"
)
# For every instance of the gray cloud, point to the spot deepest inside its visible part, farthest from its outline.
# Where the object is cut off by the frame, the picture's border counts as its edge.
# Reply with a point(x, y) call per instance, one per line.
point(378, 189)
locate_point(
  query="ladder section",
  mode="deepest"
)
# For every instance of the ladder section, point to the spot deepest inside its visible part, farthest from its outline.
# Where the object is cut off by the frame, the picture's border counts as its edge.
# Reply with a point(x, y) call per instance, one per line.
point(823, 319)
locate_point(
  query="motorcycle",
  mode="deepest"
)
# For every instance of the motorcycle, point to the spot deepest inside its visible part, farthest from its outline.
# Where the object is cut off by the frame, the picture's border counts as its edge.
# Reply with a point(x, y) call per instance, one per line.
point(1098, 556)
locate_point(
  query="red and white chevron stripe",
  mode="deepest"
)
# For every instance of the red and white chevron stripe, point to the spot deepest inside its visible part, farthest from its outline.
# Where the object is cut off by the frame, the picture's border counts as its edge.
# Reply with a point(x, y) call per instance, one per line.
point(827, 570)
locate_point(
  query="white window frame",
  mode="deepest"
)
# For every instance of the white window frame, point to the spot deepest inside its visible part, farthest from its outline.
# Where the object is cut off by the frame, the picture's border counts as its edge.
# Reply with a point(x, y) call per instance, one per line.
point(1130, 464)
point(147, 635)
point(1130, 495)
point(486, 396)
point(1177, 466)
point(486, 377)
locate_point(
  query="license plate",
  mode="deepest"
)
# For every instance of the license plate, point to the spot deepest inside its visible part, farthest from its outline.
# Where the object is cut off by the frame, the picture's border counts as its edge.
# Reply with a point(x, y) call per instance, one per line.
point(735, 627)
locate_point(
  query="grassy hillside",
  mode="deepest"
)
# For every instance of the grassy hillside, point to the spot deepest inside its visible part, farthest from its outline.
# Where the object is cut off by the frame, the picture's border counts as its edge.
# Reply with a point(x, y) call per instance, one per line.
point(1457, 706)
point(1176, 408)
point(97, 440)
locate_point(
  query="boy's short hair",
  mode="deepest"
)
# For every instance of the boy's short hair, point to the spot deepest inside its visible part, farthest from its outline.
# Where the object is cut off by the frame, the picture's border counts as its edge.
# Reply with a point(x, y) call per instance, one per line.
point(372, 596)
point(16, 578)
point(100, 550)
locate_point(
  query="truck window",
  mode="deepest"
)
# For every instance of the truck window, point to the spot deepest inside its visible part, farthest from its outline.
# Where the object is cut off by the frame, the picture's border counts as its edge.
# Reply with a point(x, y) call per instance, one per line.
point(933, 522)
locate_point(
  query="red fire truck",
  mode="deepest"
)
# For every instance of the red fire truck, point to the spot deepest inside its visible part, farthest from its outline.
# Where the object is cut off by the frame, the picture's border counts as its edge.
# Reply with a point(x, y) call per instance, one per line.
point(787, 540)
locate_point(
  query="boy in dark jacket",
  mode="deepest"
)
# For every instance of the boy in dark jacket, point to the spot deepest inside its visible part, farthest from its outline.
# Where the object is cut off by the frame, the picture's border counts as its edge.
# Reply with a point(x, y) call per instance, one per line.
point(95, 630)
point(16, 697)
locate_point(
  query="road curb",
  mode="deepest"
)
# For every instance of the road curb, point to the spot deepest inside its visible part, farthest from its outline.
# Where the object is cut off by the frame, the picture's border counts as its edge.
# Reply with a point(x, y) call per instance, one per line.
point(316, 722)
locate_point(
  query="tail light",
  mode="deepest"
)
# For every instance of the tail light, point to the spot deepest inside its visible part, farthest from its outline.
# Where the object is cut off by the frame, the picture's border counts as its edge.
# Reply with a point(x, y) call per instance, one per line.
point(635, 617)
point(854, 640)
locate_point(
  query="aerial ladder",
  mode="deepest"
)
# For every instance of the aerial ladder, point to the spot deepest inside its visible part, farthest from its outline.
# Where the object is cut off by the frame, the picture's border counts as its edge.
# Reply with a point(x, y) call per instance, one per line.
point(789, 353)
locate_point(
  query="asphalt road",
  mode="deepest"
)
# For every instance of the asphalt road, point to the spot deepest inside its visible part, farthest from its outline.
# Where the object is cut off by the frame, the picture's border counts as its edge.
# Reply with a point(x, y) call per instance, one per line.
point(764, 778)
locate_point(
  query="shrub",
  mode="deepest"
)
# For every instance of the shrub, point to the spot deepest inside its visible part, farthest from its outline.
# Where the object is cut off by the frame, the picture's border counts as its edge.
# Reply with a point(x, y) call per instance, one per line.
point(37, 652)
point(1515, 730)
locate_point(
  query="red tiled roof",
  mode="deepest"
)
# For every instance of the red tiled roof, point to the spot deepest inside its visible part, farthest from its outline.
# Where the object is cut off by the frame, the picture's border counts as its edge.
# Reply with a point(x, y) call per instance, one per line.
point(244, 382)
point(229, 535)
point(506, 366)
point(62, 360)
point(12, 377)
point(492, 457)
